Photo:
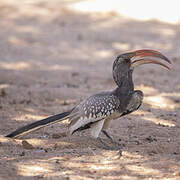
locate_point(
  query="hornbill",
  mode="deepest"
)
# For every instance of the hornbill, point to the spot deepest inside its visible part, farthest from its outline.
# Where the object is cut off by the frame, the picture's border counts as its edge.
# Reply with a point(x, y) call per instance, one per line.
point(97, 111)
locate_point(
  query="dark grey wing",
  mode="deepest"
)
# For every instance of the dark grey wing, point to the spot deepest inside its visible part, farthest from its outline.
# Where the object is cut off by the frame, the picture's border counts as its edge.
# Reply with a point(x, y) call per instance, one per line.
point(93, 109)
point(134, 103)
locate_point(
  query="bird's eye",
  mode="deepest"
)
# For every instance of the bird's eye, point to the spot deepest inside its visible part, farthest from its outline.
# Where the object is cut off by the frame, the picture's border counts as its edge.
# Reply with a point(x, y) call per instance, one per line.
point(122, 59)
point(125, 60)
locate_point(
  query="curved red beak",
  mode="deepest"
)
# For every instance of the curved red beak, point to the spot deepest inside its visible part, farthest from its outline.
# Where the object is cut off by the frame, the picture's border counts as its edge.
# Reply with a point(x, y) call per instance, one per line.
point(144, 57)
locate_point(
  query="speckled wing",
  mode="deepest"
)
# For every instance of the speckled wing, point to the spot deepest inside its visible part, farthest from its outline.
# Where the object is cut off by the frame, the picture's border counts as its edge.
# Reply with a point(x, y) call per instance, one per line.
point(93, 109)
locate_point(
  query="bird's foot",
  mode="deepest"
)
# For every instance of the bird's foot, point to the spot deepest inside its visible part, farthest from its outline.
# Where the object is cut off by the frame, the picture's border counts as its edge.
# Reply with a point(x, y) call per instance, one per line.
point(107, 147)
point(112, 140)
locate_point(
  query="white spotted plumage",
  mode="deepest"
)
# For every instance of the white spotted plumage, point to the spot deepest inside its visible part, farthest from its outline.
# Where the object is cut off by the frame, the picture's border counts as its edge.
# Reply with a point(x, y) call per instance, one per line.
point(94, 109)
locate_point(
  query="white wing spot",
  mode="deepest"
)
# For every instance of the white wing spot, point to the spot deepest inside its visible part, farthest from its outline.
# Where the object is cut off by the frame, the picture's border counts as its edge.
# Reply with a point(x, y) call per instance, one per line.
point(108, 113)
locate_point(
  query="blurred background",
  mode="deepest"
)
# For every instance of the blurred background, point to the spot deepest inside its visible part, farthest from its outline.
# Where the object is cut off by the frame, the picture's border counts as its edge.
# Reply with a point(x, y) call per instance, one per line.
point(59, 46)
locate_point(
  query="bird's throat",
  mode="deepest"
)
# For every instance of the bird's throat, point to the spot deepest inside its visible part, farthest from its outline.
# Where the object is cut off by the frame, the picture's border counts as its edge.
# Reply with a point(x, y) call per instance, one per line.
point(125, 84)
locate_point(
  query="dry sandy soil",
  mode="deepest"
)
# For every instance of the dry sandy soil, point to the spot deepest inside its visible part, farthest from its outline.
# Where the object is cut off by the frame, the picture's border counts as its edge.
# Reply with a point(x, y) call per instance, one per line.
point(51, 57)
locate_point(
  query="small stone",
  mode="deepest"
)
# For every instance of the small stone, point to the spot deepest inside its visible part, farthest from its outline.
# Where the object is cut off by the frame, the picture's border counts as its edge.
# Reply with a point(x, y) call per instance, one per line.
point(150, 139)
point(27, 145)
point(152, 153)
point(58, 135)
point(75, 74)
point(41, 150)
point(3, 93)
point(162, 125)
point(57, 161)
point(137, 142)
point(22, 154)
point(177, 101)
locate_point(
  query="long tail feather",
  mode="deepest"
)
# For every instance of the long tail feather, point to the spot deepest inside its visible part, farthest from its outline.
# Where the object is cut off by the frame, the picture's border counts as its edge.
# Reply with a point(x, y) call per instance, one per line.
point(39, 124)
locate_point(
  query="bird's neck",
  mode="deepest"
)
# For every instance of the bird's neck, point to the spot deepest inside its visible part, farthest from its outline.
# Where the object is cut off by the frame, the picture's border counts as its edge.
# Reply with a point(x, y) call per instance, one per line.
point(125, 84)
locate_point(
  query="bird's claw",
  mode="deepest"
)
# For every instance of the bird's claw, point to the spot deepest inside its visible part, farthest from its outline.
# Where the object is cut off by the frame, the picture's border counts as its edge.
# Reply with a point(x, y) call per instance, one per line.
point(107, 147)
point(112, 140)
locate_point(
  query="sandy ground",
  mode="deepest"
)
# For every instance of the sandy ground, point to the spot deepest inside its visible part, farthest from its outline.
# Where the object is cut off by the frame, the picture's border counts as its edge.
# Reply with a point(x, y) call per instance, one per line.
point(51, 57)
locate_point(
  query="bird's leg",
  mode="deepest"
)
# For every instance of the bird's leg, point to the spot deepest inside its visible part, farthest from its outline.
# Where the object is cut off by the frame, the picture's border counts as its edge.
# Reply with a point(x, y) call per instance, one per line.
point(95, 130)
point(105, 146)
point(110, 138)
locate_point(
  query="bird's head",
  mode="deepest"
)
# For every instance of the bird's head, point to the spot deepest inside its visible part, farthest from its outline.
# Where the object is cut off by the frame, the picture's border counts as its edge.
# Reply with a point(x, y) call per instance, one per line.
point(125, 63)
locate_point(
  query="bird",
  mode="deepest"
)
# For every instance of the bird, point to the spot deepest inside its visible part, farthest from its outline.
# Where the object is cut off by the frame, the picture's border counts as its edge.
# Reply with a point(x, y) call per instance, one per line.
point(99, 110)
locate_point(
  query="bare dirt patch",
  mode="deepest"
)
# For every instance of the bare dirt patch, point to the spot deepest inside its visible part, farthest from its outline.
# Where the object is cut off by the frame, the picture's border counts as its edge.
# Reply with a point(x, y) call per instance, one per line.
point(52, 57)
